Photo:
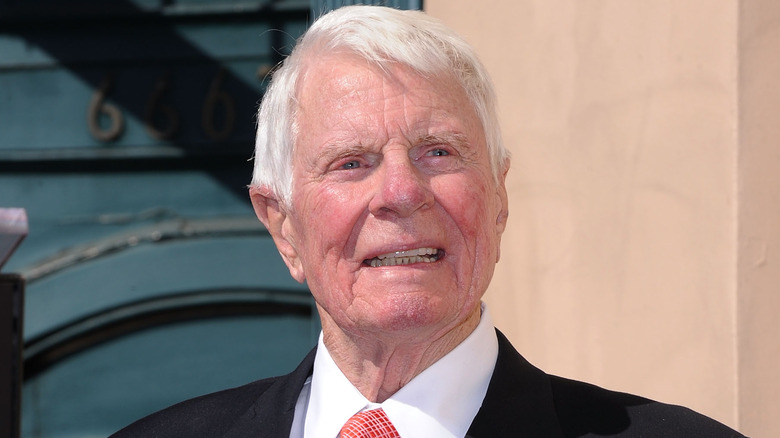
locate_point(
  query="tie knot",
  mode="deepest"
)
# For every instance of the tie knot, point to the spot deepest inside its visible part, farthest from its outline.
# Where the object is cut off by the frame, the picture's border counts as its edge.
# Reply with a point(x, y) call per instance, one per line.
point(369, 424)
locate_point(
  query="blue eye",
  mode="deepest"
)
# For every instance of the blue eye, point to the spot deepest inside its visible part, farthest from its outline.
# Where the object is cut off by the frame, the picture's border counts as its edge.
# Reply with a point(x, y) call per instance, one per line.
point(438, 153)
point(354, 164)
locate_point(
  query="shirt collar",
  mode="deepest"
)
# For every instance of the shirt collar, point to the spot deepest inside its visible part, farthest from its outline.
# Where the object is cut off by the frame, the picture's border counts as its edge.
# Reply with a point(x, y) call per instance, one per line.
point(441, 401)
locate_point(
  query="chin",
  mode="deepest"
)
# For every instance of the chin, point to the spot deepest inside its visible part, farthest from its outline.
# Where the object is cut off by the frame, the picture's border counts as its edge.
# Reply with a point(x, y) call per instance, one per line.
point(412, 314)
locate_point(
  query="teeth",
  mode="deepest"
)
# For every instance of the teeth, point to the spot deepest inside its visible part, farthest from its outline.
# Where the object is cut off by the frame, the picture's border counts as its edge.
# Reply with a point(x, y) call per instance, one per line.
point(419, 255)
point(410, 253)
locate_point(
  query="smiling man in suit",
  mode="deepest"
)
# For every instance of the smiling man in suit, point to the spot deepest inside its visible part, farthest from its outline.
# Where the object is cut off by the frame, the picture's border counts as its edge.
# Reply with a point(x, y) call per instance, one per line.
point(379, 172)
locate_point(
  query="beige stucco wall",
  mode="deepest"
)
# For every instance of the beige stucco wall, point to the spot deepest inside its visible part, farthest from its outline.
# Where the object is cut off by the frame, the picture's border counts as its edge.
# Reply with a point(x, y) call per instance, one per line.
point(644, 194)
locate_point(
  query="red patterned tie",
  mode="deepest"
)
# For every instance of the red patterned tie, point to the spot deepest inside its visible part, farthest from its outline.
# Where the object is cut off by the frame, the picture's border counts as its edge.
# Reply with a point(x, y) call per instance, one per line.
point(369, 424)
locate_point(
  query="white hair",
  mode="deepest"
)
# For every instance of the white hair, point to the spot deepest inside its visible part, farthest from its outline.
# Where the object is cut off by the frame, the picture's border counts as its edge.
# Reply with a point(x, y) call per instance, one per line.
point(382, 36)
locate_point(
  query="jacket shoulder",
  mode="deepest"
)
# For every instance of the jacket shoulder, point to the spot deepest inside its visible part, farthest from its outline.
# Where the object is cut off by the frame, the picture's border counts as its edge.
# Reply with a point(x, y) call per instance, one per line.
point(586, 410)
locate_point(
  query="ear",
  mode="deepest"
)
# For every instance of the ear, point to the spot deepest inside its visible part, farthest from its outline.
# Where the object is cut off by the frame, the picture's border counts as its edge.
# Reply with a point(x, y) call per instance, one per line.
point(503, 202)
point(276, 219)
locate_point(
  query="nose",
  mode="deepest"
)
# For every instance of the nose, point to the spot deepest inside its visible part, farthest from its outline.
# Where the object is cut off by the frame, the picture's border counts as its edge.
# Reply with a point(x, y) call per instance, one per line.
point(401, 188)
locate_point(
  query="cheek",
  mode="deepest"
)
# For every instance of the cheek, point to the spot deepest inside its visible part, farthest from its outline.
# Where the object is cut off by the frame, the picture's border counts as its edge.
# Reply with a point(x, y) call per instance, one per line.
point(331, 217)
point(472, 212)
point(326, 209)
point(467, 207)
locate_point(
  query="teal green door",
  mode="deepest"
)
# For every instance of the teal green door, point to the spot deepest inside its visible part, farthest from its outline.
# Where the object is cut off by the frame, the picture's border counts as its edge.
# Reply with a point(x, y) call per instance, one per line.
point(125, 131)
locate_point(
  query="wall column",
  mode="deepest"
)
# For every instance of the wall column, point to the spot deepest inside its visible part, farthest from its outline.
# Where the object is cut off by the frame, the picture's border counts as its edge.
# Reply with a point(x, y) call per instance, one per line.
point(758, 281)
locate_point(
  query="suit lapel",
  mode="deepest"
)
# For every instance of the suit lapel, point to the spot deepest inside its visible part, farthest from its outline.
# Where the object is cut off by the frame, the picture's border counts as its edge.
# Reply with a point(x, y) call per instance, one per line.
point(518, 402)
point(271, 416)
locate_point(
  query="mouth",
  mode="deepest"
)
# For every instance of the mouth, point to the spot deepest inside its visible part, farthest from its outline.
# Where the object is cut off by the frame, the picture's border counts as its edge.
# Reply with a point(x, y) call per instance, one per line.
point(418, 255)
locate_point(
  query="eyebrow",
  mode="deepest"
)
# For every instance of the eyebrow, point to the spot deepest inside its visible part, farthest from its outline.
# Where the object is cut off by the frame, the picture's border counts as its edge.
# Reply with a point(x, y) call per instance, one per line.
point(449, 137)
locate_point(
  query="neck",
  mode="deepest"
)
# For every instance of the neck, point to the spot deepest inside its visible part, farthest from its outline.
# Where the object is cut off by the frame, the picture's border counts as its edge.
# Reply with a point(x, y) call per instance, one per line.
point(378, 366)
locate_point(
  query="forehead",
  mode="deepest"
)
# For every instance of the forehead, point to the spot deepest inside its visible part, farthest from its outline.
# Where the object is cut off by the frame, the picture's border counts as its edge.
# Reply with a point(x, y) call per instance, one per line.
point(345, 90)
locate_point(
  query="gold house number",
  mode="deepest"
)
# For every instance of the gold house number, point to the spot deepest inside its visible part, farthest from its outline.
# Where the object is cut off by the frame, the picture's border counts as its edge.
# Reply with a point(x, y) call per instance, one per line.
point(99, 108)
point(106, 122)
point(154, 106)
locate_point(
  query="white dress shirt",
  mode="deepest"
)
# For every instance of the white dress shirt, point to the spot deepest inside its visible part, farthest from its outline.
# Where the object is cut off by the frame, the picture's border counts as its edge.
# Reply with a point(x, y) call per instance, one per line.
point(441, 401)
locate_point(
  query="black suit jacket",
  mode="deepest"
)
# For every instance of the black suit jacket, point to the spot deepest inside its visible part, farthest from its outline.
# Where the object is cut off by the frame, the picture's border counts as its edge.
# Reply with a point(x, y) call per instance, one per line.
point(521, 401)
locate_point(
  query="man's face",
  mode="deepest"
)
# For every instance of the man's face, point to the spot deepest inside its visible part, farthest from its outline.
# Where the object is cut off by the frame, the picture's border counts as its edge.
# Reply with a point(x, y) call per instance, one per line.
point(395, 218)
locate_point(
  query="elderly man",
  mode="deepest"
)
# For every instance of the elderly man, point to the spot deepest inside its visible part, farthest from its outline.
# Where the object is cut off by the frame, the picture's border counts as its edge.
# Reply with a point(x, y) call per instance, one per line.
point(379, 172)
